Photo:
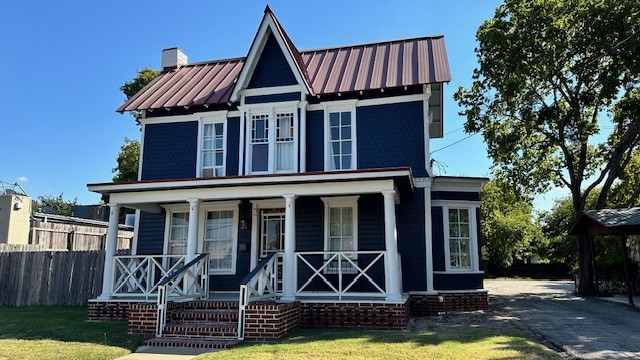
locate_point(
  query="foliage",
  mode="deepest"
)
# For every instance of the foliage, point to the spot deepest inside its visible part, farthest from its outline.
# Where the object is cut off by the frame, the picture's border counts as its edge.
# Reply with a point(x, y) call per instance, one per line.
point(131, 87)
point(57, 203)
point(459, 343)
point(127, 163)
point(507, 226)
point(548, 71)
point(60, 333)
point(626, 192)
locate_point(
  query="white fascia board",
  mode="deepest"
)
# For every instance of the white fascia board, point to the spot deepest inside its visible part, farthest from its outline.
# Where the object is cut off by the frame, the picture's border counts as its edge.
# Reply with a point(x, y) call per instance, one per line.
point(252, 192)
point(368, 102)
point(190, 117)
point(273, 90)
point(458, 184)
point(245, 181)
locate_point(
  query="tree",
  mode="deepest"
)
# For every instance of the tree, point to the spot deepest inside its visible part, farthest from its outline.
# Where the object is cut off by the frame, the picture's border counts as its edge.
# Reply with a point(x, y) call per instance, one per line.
point(548, 71)
point(626, 193)
point(507, 226)
point(127, 160)
point(133, 86)
point(59, 205)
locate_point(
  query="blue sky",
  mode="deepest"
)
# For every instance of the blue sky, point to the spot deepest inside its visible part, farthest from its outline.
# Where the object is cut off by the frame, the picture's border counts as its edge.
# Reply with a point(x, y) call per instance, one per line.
point(65, 61)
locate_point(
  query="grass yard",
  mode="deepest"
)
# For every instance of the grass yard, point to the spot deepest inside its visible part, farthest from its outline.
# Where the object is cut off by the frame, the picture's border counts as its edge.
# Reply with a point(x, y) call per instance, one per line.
point(460, 343)
point(60, 333)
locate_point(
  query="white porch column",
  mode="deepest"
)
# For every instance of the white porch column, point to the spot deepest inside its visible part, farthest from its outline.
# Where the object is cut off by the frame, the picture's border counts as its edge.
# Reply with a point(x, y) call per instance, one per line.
point(428, 238)
point(110, 251)
point(192, 232)
point(289, 276)
point(392, 271)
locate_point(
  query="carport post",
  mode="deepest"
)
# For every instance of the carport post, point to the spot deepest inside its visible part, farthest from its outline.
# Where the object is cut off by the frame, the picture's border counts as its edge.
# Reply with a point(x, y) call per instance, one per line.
point(627, 277)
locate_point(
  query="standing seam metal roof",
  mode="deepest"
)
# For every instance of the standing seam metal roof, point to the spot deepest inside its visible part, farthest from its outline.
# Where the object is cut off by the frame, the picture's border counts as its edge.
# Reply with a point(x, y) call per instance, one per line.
point(380, 65)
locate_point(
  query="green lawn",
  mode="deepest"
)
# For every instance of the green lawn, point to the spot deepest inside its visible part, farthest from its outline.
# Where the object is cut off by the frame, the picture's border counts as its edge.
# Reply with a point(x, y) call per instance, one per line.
point(460, 343)
point(60, 333)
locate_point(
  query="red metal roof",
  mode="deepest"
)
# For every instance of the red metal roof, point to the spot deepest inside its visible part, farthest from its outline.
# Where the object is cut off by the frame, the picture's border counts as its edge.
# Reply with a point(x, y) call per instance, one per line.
point(373, 66)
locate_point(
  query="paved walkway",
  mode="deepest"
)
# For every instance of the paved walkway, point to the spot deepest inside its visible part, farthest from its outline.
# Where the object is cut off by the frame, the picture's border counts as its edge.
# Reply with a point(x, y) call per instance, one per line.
point(587, 328)
point(163, 353)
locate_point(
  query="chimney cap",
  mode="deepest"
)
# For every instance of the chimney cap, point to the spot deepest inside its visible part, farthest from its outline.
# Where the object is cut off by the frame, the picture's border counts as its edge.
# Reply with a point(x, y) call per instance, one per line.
point(173, 58)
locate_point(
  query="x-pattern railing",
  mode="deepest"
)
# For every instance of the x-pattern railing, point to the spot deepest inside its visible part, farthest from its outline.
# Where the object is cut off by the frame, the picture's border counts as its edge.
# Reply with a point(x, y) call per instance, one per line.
point(139, 275)
point(340, 263)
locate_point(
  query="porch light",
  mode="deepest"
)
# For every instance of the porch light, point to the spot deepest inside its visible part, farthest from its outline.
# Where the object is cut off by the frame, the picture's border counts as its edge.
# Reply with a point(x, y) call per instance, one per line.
point(244, 224)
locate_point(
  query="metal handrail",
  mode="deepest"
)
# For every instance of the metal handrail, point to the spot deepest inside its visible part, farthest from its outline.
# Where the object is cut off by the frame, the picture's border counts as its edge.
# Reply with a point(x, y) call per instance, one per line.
point(265, 268)
point(184, 268)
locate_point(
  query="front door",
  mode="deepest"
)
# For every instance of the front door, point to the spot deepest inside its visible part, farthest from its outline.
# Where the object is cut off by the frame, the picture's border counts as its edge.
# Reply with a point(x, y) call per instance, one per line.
point(272, 238)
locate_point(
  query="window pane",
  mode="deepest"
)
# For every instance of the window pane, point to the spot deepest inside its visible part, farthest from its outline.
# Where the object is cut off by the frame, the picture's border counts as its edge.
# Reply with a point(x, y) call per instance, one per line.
point(335, 164)
point(334, 119)
point(209, 172)
point(219, 144)
point(453, 215)
point(260, 157)
point(207, 144)
point(284, 156)
point(454, 261)
point(346, 132)
point(218, 128)
point(335, 133)
point(346, 147)
point(453, 230)
point(346, 118)
point(464, 230)
point(208, 130)
point(335, 148)
point(219, 158)
point(347, 243)
point(464, 215)
point(453, 247)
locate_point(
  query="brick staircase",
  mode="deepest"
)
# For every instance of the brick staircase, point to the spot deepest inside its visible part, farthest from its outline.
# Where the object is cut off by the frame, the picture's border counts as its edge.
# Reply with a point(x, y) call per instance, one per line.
point(200, 324)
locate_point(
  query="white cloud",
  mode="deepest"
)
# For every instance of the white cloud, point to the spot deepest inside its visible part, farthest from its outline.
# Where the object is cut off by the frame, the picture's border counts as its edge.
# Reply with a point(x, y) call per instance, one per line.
point(22, 179)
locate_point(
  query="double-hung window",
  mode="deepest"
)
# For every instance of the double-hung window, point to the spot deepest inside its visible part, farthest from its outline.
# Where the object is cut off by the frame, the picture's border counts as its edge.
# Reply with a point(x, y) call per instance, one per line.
point(340, 138)
point(178, 232)
point(271, 140)
point(212, 149)
point(461, 240)
point(341, 229)
point(219, 240)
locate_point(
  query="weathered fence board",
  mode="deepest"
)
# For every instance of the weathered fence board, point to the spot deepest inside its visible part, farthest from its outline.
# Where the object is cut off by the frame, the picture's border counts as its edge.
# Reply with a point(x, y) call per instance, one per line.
point(57, 236)
point(50, 277)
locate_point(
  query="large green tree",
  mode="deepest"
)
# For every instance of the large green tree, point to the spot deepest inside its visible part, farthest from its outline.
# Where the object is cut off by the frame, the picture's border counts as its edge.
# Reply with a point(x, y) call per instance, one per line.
point(548, 72)
point(508, 228)
point(59, 205)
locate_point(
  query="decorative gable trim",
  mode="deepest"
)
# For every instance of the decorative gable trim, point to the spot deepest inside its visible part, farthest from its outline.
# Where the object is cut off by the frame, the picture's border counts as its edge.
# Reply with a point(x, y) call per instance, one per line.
point(270, 25)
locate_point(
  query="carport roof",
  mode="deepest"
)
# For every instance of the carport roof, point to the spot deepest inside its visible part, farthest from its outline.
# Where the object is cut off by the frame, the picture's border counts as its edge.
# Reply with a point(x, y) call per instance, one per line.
point(608, 222)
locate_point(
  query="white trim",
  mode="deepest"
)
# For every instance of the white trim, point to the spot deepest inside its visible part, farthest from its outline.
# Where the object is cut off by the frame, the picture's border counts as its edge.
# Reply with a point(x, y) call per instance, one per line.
point(370, 102)
point(141, 154)
point(256, 206)
point(232, 205)
point(188, 117)
point(241, 143)
point(461, 272)
point(339, 107)
point(170, 210)
point(473, 237)
point(136, 230)
point(426, 124)
point(458, 184)
point(219, 118)
point(272, 90)
point(275, 203)
point(302, 149)
point(356, 175)
point(428, 235)
point(255, 51)
point(454, 203)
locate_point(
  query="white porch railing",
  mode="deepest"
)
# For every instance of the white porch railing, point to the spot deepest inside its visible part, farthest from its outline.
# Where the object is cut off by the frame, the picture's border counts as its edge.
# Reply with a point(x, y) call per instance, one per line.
point(190, 281)
point(261, 283)
point(340, 273)
point(139, 275)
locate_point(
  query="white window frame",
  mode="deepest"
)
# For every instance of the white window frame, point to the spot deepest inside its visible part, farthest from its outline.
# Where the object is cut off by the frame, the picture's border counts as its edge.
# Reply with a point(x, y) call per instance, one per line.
point(271, 110)
point(170, 210)
point(340, 106)
point(341, 201)
point(216, 118)
point(473, 234)
point(232, 206)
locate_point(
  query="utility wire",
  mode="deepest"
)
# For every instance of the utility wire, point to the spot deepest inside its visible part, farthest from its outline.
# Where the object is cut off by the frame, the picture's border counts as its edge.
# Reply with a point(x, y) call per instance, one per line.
point(453, 143)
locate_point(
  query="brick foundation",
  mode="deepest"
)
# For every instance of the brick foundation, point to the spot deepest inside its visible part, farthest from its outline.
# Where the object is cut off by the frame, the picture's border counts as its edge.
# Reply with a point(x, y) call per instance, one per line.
point(270, 321)
point(108, 311)
point(354, 315)
point(142, 318)
point(428, 305)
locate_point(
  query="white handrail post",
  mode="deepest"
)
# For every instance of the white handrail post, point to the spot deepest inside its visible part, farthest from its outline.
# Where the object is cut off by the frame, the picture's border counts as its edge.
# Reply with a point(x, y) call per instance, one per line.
point(192, 237)
point(288, 284)
point(392, 277)
point(110, 251)
point(162, 310)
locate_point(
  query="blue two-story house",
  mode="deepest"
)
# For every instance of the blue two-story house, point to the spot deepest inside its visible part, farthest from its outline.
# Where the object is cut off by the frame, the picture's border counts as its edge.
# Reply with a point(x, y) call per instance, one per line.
point(297, 177)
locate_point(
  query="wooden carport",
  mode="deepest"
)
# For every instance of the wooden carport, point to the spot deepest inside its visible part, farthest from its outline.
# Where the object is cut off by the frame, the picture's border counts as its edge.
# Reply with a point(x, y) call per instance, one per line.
point(611, 222)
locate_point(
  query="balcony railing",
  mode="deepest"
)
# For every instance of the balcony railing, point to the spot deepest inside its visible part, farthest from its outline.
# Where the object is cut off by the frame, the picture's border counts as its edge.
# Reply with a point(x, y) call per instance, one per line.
point(340, 274)
point(139, 275)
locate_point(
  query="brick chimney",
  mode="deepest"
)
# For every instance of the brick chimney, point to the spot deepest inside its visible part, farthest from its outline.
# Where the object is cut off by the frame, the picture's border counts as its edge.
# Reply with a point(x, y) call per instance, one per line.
point(173, 58)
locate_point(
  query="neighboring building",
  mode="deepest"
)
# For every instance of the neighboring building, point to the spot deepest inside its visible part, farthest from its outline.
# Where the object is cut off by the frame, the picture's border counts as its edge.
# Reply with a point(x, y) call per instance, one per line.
point(14, 218)
point(320, 157)
point(91, 212)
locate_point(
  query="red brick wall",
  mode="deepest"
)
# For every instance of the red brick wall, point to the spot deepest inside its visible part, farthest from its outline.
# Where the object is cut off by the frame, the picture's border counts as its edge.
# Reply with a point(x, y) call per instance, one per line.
point(143, 318)
point(426, 305)
point(354, 315)
point(270, 321)
point(105, 311)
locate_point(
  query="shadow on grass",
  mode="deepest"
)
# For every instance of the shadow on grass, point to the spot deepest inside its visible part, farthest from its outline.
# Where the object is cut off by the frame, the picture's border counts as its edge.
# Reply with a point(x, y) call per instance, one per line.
point(66, 324)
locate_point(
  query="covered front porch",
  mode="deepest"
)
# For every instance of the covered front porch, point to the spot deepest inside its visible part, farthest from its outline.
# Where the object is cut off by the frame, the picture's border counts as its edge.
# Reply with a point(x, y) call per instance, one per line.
point(306, 237)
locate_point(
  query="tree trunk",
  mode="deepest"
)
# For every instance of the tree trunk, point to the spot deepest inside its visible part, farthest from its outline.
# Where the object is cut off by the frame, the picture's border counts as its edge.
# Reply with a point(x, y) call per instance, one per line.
point(586, 285)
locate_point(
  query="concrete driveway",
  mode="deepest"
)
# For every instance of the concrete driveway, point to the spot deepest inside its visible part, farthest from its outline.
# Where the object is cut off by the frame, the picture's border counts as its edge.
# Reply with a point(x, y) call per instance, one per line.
point(587, 328)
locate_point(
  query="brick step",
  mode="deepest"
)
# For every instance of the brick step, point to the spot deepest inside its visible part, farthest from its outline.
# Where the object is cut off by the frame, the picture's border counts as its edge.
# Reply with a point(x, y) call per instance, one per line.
point(191, 343)
point(206, 315)
point(205, 329)
point(210, 305)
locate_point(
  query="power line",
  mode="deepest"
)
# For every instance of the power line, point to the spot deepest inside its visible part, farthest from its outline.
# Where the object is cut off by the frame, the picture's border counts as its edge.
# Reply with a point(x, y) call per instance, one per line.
point(453, 143)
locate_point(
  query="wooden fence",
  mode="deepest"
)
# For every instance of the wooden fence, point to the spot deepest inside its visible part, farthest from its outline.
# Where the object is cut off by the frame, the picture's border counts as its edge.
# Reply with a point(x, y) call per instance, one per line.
point(58, 236)
point(50, 277)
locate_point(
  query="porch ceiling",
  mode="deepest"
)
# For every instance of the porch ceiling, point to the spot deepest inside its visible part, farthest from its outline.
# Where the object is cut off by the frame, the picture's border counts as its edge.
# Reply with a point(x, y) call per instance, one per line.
point(148, 195)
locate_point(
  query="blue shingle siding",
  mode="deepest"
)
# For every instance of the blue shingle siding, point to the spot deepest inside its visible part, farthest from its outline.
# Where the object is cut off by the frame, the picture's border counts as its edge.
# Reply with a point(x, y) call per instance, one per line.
point(243, 259)
point(457, 281)
point(151, 233)
point(233, 147)
point(410, 224)
point(272, 68)
point(272, 98)
point(315, 140)
point(455, 195)
point(390, 136)
point(170, 151)
point(437, 233)
point(309, 224)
